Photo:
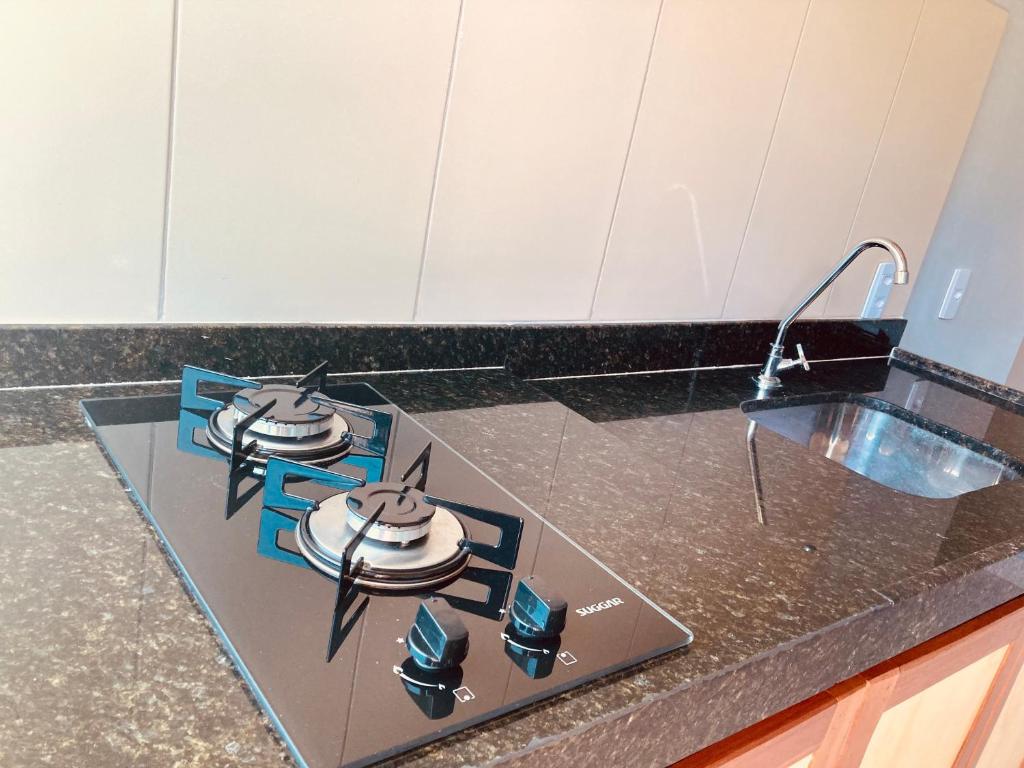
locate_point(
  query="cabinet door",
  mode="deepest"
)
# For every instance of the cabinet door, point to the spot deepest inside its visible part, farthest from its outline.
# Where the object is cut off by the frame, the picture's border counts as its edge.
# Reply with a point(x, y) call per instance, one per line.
point(924, 708)
point(84, 95)
point(998, 738)
point(713, 90)
point(305, 141)
point(541, 107)
point(928, 726)
point(847, 66)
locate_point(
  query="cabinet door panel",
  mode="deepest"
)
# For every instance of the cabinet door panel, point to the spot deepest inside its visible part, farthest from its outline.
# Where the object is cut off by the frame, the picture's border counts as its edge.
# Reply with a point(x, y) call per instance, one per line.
point(543, 100)
point(924, 136)
point(84, 98)
point(1004, 746)
point(929, 727)
point(305, 142)
point(713, 89)
point(844, 76)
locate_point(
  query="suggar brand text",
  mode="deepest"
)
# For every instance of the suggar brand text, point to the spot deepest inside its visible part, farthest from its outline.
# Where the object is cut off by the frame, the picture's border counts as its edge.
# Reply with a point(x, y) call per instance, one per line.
point(599, 606)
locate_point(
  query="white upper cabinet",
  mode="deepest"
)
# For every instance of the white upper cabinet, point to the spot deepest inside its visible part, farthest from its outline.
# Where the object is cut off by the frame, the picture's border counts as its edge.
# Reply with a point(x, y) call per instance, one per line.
point(543, 101)
point(473, 160)
point(716, 79)
point(84, 97)
point(305, 141)
point(931, 117)
point(847, 66)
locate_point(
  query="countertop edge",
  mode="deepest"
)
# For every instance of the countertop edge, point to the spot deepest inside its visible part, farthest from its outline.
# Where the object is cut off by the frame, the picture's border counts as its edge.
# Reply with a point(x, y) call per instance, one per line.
point(835, 652)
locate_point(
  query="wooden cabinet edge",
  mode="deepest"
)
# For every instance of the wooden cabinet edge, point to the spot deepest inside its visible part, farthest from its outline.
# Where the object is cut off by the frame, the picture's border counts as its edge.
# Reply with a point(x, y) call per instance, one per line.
point(786, 736)
point(871, 699)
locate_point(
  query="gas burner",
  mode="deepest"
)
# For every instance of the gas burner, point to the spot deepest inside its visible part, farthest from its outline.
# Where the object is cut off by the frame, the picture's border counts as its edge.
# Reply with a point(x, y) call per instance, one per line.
point(386, 536)
point(298, 424)
point(411, 544)
point(296, 421)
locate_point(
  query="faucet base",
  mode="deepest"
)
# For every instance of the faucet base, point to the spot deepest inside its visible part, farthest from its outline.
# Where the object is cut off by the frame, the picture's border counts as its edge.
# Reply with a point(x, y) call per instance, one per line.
point(767, 382)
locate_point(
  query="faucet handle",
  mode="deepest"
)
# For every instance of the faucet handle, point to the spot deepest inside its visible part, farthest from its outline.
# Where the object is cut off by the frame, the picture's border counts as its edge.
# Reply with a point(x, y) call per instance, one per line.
point(801, 358)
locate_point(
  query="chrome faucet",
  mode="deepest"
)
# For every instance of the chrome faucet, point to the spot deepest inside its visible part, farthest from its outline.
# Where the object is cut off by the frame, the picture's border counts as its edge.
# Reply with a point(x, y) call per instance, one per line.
point(769, 379)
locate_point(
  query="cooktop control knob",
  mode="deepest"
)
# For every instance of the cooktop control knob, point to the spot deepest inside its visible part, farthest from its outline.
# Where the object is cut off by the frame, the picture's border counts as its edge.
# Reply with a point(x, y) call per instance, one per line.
point(438, 639)
point(538, 610)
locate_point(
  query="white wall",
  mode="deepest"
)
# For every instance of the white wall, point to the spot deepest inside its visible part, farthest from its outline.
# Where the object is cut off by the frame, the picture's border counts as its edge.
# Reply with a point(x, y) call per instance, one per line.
point(982, 228)
point(471, 160)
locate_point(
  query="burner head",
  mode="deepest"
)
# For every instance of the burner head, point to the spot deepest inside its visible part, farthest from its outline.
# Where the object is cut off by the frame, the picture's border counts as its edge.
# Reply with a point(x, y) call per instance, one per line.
point(406, 516)
point(295, 414)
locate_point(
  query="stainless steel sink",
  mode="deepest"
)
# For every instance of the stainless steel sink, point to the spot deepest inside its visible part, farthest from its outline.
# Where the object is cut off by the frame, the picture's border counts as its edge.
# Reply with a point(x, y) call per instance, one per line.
point(887, 444)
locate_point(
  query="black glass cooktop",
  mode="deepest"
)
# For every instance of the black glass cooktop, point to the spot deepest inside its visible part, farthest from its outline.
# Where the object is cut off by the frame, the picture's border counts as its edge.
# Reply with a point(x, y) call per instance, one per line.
point(334, 671)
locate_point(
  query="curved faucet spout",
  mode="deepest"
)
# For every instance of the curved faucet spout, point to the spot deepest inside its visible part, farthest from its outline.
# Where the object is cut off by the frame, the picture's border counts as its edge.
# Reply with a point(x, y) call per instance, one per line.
point(769, 376)
point(897, 254)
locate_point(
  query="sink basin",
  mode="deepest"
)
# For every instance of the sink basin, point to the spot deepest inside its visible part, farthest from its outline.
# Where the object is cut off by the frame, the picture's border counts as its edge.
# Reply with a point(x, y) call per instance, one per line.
point(887, 444)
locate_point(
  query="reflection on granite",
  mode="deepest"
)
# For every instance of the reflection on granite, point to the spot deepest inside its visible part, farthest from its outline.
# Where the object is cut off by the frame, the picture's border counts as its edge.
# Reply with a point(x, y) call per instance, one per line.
point(650, 473)
point(45, 416)
point(736, 343)
point(568, 350)
point(625, 398)
point(537, 351)
point(683, 481)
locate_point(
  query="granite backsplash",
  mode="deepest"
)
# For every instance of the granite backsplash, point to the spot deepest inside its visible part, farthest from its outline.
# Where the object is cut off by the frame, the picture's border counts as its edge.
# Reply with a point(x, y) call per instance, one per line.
point(98, 354)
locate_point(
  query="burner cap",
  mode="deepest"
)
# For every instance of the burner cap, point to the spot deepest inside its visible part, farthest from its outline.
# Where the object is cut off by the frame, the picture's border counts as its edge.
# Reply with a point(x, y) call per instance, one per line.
point(406, 516)
point(295, 414)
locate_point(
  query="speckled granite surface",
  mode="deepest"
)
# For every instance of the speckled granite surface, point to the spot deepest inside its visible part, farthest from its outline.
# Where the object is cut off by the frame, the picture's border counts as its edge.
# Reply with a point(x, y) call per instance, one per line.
point(48, 355)
point(105, 661)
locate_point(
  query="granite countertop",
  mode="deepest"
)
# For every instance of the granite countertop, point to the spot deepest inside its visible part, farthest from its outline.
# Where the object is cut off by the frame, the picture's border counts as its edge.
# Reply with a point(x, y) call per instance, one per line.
point(104, 659)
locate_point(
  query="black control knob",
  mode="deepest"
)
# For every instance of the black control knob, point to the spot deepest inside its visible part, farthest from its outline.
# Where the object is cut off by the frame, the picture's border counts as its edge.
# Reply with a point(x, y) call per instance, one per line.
point(538, 610)
point(438, 639)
